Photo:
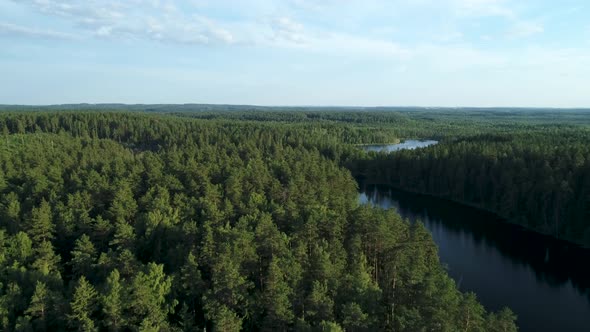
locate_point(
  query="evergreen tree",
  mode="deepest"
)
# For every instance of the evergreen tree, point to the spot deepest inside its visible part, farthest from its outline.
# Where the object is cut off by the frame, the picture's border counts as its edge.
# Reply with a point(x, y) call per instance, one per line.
point(149, 299)
point(39, 308)
point(471, 314)
point(41, 226)
point(83, 256)
point(47, 261)
point(503, 321)
point(113, 302)
point(277, 299)
point(11, 209)
point(193, 288)
point(83, 306)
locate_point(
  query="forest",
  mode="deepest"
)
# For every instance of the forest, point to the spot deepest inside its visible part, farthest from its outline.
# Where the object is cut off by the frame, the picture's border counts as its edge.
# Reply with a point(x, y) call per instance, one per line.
point(538, 178)
point(180, 220)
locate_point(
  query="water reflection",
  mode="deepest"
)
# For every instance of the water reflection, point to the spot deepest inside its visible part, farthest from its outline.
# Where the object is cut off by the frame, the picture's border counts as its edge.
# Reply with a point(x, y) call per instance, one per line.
point(406, 145)
point(543, 280)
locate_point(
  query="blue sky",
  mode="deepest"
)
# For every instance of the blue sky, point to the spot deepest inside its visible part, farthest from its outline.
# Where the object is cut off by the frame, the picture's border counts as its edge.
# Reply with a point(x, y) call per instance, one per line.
point(297, 52)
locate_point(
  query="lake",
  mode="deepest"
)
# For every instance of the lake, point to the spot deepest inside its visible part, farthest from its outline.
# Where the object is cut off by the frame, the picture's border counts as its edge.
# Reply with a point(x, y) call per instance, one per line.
point(544, 281)
point(405, 145)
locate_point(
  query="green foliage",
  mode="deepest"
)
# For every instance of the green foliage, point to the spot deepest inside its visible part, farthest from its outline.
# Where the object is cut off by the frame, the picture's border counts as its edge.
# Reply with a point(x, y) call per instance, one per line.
point(234, 221)
point(41, 227)
point(276, 299)
point(83, 306)
point(503, 321)
point(149, 298)
point(47, 260)
point(83, 256)
point(537, 178)
point(38, 311)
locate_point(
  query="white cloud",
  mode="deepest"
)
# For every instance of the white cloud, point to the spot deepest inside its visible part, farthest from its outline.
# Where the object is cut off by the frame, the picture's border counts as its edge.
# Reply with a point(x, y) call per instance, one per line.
point(158, 20)
point(482, 8)
point(287, 30)
point(288, 33)
point(519, 27)
point(322, 26)
point(524, 29)
point(8, 29)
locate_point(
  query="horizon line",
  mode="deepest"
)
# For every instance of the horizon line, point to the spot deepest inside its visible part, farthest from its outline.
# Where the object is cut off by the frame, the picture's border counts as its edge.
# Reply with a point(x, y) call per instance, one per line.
point(293, 106)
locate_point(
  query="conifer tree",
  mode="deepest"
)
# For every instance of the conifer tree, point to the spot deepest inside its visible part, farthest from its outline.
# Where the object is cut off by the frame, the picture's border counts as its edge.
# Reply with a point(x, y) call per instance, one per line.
point(39, 306)
point(113, 302)
point(83, 256)
point(41, 226)
point(83, 306)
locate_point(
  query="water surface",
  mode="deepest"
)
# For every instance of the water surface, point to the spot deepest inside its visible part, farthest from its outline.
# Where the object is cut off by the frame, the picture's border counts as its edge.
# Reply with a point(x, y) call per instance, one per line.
point(544, 281)
point(405, 145)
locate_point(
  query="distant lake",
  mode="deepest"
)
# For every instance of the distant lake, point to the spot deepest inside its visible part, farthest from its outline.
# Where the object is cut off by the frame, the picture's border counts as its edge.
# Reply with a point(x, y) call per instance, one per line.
point(406, 145)
point(546, 282)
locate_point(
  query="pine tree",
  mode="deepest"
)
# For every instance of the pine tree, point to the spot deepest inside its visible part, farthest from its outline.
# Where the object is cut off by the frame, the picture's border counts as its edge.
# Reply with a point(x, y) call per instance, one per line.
point(124, 237)
point(11, 210)
point(83, 256)
point(503, 321)
point(276, 299)
point(112, 302)
point(20, 248)
point(320, 305)
point(471, 314)
point(124, 205)
point(41, 226)
point(354, 318)
point(149, 301)
point(192, 285)
point(187, 317)
point(47, 260)
point(223, 318)
point(39, 307)
point(11, 303)
point(83, 306)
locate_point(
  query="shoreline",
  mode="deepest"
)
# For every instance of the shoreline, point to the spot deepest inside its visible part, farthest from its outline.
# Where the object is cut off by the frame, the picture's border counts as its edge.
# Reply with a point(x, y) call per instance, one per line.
point(476, 207)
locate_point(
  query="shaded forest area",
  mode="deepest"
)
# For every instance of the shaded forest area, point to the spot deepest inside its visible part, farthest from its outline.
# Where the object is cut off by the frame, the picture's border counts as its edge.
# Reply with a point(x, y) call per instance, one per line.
point(126, 221)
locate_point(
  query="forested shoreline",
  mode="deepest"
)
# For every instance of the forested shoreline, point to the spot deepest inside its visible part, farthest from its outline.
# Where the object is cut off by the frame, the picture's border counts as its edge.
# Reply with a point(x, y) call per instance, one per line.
point(539, 180)
point(128, 221)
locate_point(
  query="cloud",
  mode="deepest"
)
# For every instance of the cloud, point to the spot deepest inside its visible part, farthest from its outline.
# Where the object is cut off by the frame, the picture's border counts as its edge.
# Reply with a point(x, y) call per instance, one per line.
point(12, 30)
point(166, 21)
point(482, 8)
point(321, 26)
point(157, 20)
point(285, 29)
point(524, 29)
point(288, 33)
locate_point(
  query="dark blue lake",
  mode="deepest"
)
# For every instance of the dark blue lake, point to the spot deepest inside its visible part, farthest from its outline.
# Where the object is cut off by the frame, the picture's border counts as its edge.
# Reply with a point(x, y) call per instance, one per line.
point(544, 281)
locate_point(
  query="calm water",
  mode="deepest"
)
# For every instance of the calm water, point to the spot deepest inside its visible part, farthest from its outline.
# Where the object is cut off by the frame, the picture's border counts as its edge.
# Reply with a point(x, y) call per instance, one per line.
point(544, 281)
point(406, 145)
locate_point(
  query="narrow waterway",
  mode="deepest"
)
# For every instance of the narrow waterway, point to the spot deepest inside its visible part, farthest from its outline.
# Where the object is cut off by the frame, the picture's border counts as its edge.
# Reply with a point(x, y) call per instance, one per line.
point(544, 281)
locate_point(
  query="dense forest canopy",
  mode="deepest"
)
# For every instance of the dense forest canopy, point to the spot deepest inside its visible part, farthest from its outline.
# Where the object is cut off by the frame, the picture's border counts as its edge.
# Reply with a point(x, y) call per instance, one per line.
point(128, 221)
point(248, 219)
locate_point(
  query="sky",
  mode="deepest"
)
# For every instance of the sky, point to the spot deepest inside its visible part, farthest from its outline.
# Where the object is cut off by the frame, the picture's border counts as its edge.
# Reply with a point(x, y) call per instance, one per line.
point(486, 53)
